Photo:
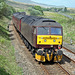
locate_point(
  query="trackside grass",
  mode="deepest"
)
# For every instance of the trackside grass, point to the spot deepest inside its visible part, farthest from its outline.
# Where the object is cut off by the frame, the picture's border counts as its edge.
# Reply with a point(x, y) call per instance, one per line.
point(8, 65)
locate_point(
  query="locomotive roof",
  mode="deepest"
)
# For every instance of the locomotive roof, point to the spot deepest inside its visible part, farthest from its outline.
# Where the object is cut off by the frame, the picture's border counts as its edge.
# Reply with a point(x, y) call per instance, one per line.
point(39, 21)
point(46, 22)
point(31, 19)
point(25, 17)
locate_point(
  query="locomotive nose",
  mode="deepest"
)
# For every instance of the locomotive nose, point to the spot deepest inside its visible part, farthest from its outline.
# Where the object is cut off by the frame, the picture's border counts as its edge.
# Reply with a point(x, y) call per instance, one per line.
point(49, 40)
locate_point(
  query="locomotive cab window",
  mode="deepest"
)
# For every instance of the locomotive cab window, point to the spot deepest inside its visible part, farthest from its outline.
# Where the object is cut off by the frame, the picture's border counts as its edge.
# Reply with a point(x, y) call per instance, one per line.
point(43, 31)
point(55, 31)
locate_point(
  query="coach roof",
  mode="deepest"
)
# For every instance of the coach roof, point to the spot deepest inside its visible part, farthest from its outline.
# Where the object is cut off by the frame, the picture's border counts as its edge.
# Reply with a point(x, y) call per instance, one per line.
point(20, 16)
point(15, 14)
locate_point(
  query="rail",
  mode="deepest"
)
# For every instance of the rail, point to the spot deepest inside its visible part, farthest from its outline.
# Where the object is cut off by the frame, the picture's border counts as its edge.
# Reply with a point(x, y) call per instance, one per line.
point(67, 73)
point(68, 56)
point(44, 68)
point(68, 50)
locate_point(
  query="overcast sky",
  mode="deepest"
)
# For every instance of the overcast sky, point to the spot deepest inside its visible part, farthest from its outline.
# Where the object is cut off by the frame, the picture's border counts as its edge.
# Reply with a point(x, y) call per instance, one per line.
point(67, 3)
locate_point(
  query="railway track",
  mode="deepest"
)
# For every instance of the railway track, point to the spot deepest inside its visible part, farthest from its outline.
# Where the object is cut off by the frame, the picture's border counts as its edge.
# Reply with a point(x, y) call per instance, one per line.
point(51, 71)
point(69, 58)
point(62, 67)
point(55, 69)
point(58, 69)
point(69, 54)
point(44, 68)
point(48, 69)
point(65, 71)
point(68, 50)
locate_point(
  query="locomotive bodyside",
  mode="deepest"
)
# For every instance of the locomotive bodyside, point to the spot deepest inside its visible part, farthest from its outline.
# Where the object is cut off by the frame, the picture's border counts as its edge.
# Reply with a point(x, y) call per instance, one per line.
point(27, 32)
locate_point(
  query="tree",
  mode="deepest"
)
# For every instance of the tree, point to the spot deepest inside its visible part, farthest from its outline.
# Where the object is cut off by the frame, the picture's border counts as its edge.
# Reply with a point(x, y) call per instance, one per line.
point(6, 10)
point(65, 9)
point(2, 4)
point(38, 8)
point(34, 12)
point(2, 1)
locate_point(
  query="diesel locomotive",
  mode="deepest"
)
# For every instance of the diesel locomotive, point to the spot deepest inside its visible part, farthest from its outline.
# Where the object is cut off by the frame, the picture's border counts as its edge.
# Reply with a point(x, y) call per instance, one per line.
point(42, 36)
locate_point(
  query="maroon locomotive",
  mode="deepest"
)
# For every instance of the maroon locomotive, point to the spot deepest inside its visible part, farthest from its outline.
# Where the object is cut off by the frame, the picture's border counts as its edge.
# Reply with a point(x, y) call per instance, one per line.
point(38, 34)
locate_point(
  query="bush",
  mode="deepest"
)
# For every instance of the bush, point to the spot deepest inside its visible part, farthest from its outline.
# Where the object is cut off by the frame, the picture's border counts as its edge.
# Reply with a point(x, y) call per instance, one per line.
point(2, 1)
point(1, 8)
point(38, 8)
point(5, 10)
point(9, 11)
point(34, 12)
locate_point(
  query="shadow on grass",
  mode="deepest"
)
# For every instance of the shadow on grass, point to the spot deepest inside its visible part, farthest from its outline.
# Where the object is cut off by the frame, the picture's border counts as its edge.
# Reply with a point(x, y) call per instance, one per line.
point(3, 71)
point(3, 33)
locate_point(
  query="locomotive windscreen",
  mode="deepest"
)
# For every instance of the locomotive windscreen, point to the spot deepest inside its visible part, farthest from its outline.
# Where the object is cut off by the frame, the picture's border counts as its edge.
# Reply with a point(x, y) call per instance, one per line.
point(43, 31)
point(55, 31)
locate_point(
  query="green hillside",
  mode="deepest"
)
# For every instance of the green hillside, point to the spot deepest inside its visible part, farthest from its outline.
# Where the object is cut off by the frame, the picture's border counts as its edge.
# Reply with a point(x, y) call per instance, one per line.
point(8, 65)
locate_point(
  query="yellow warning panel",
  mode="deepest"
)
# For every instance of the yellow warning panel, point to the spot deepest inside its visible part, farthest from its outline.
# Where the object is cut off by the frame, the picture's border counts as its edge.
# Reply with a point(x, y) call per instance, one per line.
point(57, 58)
point(49, 57)
point(49, 40)
point(40, 58)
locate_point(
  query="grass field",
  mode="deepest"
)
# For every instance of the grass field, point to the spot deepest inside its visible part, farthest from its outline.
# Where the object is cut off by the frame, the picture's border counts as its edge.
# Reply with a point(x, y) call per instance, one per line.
point(67, 24)
point(8, 65)
point(72, 14)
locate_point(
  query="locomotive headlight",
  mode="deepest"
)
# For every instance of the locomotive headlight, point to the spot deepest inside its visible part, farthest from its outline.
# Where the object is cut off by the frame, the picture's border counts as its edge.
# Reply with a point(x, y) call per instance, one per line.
point(53, 40)
point(45, 40)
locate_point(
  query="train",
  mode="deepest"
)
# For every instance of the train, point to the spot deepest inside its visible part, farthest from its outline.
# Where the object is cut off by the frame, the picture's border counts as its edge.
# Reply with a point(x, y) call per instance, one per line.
point(42, 36)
